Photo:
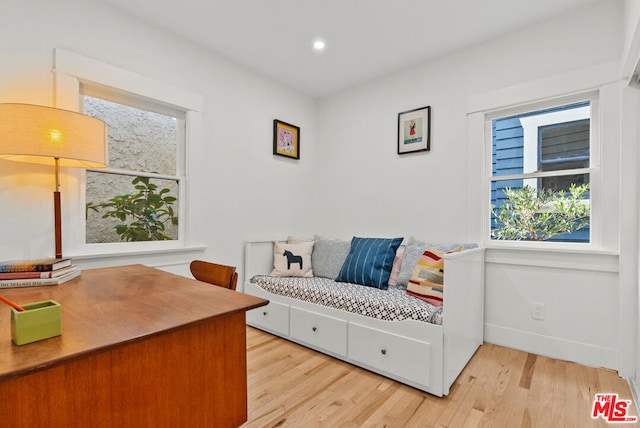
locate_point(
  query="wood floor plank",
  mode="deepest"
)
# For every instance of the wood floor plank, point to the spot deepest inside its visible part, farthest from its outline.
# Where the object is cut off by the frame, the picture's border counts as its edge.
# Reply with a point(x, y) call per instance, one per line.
point(572, 394)
point(292, 386)
point(482, 378)
point(538, 397)
point(500, 394)
point(428, 413)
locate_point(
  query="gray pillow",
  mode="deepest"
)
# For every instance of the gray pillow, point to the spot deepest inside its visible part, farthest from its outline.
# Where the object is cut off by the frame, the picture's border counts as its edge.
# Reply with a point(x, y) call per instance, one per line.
point(328, 256)
point(412, 252)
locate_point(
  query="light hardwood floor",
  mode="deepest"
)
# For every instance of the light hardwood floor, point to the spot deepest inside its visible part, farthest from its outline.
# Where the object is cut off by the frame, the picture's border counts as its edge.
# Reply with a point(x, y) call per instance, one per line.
point(292, 386)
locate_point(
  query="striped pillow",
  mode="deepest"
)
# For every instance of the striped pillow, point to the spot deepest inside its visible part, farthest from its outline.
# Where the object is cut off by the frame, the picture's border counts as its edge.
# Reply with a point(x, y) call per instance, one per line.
point(369, 262)
point(427, 281)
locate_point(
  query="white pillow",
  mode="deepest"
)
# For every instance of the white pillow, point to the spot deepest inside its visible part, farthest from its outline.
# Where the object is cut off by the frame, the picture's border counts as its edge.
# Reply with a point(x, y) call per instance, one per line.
point(292, 259)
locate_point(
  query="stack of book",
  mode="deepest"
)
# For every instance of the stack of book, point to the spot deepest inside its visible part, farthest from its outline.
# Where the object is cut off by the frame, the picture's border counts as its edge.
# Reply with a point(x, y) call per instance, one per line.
point(34, 273)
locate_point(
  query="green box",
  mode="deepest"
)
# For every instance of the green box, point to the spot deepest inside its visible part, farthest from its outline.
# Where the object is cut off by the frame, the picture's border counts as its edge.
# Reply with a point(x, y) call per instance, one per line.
point(39, 320)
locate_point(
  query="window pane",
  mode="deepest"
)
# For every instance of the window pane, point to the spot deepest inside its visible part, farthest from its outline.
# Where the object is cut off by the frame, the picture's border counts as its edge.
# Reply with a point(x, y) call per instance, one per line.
point(562, 182)
point(535, 141)
point(139, 140)
point(136, 209)
point(523, 211)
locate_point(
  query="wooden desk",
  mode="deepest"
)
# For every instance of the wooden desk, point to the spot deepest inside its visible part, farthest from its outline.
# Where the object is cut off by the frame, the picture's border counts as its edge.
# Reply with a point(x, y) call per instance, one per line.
point(139, 348)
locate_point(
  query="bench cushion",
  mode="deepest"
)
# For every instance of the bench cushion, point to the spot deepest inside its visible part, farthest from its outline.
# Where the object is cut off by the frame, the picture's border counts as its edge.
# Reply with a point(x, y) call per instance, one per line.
point(392, 304)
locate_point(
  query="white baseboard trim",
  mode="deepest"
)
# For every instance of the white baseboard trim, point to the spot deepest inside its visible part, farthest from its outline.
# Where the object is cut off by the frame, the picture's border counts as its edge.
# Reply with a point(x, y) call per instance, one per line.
point(553, 347)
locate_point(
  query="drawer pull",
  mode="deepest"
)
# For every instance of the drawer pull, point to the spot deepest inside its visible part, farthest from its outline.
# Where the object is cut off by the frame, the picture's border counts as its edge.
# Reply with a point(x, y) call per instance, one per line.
point(383, 351)
point(265, 313)
point(314, 328)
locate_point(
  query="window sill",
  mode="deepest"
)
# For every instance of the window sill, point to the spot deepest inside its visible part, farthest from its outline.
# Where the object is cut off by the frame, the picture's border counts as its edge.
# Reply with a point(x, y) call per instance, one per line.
point(559, 258)
point(155, 258)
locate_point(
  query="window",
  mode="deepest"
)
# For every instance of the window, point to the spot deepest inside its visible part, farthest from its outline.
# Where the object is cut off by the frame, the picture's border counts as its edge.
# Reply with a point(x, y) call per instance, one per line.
point(83, 84)
point(138, 197)
point(540, 174)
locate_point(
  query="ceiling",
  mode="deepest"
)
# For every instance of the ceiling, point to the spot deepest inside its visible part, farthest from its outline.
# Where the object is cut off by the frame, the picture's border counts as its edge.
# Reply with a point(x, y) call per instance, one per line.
point(365, 39)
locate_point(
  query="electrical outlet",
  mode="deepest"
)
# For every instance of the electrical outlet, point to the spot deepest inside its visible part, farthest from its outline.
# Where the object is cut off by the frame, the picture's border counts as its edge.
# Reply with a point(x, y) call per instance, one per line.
point(537, 311)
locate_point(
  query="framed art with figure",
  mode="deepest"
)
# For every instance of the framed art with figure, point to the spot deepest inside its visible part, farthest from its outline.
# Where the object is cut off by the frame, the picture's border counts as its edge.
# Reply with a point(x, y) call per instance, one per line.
point(286, 139)
point(414, 130)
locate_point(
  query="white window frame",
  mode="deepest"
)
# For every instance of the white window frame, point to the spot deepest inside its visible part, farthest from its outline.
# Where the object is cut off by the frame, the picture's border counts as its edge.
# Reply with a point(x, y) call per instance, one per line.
point(603, 79)
point(70, 71)
point(593, 171)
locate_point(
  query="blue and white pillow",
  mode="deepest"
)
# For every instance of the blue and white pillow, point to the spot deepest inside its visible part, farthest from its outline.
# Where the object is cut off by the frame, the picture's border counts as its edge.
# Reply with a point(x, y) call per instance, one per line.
point(369, 261)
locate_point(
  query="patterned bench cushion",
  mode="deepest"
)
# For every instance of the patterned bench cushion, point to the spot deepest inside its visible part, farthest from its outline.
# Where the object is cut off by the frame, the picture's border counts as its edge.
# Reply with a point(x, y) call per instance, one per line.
point(392, 304)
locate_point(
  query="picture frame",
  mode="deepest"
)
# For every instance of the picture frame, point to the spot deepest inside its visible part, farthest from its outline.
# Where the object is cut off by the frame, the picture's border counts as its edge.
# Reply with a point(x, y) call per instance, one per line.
point(286, 139)
point(414, 130)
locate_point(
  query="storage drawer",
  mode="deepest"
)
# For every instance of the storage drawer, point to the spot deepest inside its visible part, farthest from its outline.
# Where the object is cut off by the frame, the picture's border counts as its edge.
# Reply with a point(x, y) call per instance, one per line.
point(274, 317)
point(397, 355)
point(320, 331)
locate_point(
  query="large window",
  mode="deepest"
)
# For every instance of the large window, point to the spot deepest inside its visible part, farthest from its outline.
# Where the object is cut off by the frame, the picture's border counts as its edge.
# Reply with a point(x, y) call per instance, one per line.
point(143, 194)
point(138, 197)
point(540, 174)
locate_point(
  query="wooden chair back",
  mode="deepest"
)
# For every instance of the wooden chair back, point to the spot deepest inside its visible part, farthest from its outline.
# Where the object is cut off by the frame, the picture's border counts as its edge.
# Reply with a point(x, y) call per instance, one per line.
point(214, 273)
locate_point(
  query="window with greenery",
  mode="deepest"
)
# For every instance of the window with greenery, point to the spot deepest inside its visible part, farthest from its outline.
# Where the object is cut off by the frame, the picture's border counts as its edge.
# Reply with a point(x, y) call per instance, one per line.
point(137, 197)
point(541, 174)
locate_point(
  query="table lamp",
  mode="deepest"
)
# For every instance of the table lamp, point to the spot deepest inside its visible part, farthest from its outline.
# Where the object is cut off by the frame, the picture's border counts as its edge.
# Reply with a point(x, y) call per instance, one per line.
point(51, 136)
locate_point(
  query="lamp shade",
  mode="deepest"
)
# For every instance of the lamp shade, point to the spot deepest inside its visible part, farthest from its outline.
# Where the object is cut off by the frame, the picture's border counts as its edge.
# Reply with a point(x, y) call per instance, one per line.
point(38, 134)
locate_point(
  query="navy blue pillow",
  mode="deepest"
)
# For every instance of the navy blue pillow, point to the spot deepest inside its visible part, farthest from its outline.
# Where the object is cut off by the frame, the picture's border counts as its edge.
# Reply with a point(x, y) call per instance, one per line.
point(369, 262)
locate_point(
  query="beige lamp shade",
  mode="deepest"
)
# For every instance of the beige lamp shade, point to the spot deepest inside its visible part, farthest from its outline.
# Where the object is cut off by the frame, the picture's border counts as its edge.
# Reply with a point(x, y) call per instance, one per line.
point(38, 134)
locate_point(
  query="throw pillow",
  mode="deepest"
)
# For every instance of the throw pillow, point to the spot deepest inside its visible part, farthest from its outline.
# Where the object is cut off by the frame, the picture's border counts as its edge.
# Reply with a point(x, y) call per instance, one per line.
point(427, 281)
point(412, 253)
point(397, 263)
point(292, 259)
point(328, 256)
point(369, 262)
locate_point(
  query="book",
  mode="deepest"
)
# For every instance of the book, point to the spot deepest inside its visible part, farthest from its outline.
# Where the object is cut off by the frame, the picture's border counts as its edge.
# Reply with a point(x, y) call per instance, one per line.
point(37, 282)
point(38, 265)
point(38, 275)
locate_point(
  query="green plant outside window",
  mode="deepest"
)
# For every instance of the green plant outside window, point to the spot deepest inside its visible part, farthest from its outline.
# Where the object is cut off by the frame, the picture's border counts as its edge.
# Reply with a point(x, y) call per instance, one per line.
point(540, 214)
point(143, 215)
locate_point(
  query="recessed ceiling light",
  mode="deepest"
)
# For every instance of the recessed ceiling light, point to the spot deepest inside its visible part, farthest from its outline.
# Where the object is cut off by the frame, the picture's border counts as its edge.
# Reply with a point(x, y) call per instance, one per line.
point(319, 45)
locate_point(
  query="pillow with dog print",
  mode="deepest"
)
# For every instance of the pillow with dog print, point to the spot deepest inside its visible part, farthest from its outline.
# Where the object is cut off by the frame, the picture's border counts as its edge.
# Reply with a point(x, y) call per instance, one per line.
point(292, 259)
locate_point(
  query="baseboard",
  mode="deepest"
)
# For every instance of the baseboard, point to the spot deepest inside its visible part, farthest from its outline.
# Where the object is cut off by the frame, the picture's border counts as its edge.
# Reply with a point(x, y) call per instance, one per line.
point(553, 347)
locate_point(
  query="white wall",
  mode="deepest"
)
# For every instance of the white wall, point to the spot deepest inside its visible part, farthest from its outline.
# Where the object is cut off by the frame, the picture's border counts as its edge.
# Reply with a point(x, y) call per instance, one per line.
point(238, 189)
point(370, 190)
